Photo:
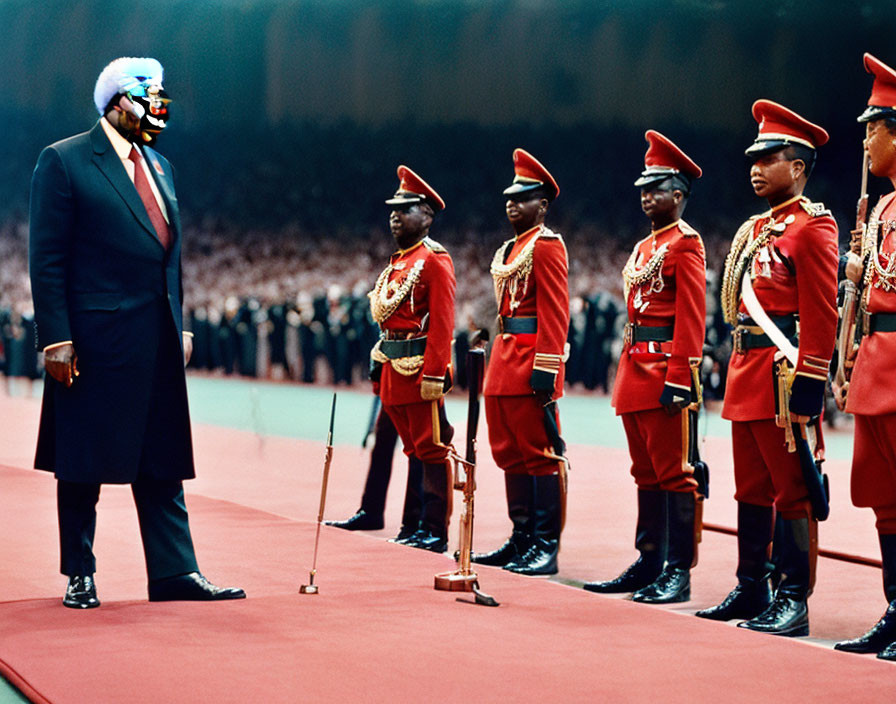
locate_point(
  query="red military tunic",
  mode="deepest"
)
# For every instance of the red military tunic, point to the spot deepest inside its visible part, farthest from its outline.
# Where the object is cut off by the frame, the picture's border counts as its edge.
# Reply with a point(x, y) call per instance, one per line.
point(666, 287)
point(530, 282)
point(414, 298)
point(871, 398)
point(793, 271)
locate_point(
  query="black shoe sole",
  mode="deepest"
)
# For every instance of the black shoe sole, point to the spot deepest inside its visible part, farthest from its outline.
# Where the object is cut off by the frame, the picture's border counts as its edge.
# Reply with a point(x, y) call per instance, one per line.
point(79, 604)
point(798, 632)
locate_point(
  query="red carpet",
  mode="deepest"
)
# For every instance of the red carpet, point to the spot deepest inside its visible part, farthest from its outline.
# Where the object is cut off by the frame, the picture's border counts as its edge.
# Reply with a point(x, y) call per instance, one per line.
point(378, 631)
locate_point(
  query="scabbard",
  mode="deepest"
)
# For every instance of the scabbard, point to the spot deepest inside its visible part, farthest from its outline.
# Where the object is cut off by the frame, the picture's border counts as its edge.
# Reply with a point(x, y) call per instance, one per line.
point(552, 429)
point(814, 478)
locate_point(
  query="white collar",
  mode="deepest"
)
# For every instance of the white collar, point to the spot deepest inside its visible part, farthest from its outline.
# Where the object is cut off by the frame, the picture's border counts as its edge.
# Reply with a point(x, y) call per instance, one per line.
point(121, 146)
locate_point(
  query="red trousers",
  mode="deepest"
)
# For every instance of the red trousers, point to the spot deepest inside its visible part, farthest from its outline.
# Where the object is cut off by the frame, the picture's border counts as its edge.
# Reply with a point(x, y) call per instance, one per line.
point(765, 473)
point(655, 446)
point(873, 482)
point(517, 436)
point(424, 429)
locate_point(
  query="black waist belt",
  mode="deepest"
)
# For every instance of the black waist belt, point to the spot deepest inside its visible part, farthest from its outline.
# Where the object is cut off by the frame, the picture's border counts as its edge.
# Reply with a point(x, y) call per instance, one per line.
point(519, 326)
point(881, 322)
point(397, 349)
point(651, 333)
point(745, 339)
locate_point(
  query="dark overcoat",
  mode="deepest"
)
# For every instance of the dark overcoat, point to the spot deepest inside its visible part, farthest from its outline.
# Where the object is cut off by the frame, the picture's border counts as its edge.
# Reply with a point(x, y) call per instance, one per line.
point(101, 278)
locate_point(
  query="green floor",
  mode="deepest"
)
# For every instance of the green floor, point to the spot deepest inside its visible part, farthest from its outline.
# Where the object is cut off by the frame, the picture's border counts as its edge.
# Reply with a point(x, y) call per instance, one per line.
point(9, 694)
point(303, 412)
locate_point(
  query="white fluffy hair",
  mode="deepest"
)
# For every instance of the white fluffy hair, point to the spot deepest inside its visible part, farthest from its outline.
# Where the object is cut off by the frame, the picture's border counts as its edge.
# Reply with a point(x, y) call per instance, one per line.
point(120, 75)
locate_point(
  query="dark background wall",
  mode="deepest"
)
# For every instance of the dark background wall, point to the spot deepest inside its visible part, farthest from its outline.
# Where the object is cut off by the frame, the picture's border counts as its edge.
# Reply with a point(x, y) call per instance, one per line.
point(295, 113)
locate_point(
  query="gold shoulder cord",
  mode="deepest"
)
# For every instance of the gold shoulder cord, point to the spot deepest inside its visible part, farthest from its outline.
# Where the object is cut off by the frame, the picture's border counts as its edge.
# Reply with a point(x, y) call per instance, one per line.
point(886, 276)
point(514, 276)
point(632, 276)
point(382, 302)
point(736, 263)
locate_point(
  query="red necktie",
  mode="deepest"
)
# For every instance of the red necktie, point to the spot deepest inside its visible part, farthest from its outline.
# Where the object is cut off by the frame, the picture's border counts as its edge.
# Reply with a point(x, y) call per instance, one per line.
point(149, 199)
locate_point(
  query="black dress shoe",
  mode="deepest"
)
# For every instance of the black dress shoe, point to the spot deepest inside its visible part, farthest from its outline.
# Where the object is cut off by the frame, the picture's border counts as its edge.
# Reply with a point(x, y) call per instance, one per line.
point(638, 575)
point(539, 560)
point(404, 534)
point(360, 521)
point(425, 540)
point(673, 586)
point(81, 592)
point(191, 587)
point(882, 634)
point(515, 546)
point(745, 601)
point(888, 653)
point(787, 616)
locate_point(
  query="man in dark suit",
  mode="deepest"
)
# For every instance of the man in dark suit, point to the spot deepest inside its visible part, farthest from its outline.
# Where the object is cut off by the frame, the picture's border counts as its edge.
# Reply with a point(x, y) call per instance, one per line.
point(106, 279)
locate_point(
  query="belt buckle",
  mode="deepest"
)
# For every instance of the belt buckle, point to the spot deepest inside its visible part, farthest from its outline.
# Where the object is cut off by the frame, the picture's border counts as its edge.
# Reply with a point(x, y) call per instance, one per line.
point(628, 334)
point(739, 334)
point(866, 323)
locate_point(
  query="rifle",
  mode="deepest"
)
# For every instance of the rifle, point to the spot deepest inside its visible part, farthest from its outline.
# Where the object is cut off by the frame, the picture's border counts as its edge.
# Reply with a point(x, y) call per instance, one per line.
point(848, 338)
point(690, 457)
point(464, 579)
point(311, 587)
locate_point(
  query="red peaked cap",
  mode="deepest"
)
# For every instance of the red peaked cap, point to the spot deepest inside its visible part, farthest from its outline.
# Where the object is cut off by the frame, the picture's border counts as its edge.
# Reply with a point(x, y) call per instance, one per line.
point(780, 127)
point(664, 160)
point(413, 189)
point(530, 174)
point(882, 102)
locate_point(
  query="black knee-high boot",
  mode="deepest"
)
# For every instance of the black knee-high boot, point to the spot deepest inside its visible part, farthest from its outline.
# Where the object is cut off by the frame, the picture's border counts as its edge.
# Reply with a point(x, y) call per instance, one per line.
point(788, 614)
point(753, 593)
point(883, 633)
point(413, 502)
point(520, 490)
point(674, 583)
point(433, 531)
point(541, 557)
point(650, 541)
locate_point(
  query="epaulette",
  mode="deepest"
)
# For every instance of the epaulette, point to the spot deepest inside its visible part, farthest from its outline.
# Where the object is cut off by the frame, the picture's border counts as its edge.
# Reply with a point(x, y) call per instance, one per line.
point(814, 209)
point(433, 246)
point(687, 230)
point(548, 232)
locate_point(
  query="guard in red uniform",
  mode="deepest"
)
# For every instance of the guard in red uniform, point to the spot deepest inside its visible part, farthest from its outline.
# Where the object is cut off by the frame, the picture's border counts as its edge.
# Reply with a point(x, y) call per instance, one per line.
point(665, 283)
point(784, 262)
point(870, 397)
point(525, 374)
point(413, 303)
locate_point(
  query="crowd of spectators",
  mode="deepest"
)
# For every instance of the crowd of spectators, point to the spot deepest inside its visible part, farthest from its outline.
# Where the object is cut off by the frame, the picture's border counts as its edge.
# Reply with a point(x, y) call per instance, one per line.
point(282, 306)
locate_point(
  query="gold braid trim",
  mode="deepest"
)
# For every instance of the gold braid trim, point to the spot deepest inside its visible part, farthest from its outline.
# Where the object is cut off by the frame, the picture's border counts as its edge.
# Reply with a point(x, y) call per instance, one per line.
point(382, 304)
point(741, 254)
point(406, 366)
point(513, 276)
point(885, 276)
point(633, 276)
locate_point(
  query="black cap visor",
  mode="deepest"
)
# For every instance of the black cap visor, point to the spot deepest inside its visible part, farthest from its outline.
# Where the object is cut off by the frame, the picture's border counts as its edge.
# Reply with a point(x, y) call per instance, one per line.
point(876, 112)
point(762, 147)
point(406, 198)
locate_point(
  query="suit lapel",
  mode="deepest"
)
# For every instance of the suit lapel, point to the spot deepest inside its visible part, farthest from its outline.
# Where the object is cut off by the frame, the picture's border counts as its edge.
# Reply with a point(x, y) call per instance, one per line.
point(110, 165)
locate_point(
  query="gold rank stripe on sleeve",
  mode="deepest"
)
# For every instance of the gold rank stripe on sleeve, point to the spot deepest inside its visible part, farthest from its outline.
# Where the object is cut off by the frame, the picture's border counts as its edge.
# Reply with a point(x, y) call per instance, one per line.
point(817, 364)
point(548, 362)
point(820, 377)
point(678, 386)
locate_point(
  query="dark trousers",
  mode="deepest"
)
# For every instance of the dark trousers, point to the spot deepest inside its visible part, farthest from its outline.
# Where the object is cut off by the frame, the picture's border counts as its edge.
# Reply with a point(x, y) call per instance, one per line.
point(380, 471)
point(164, 527)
